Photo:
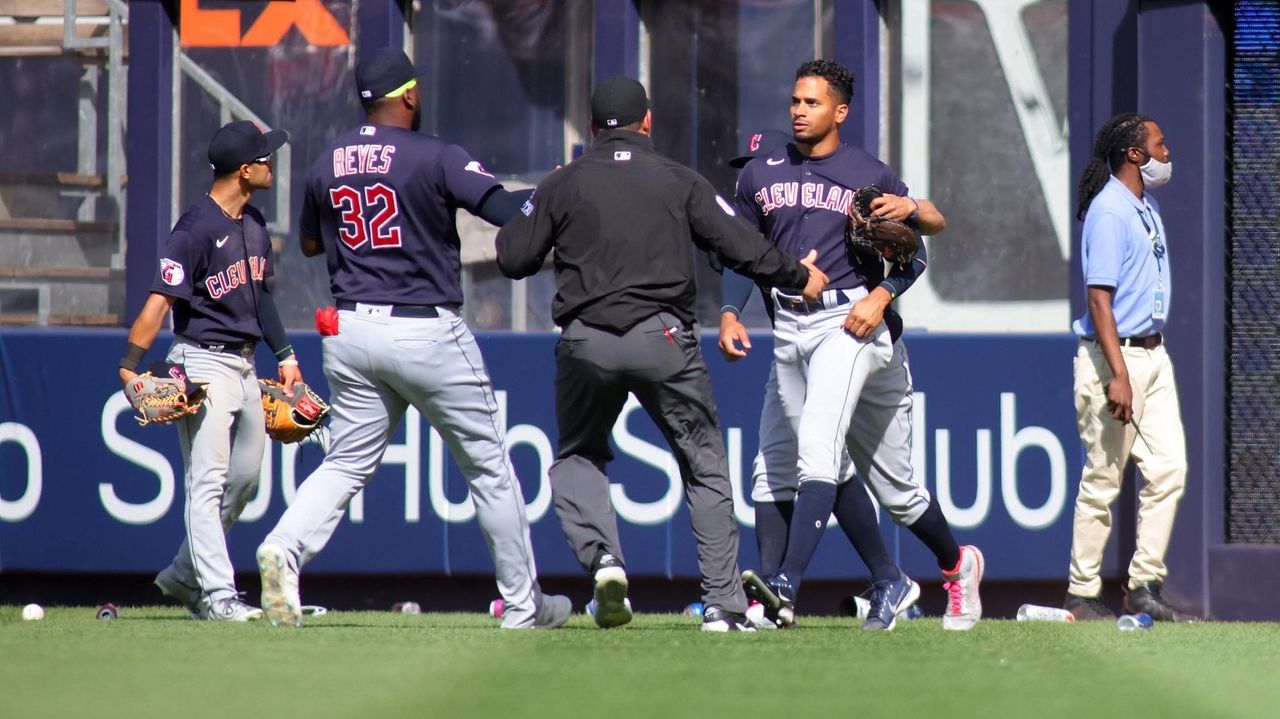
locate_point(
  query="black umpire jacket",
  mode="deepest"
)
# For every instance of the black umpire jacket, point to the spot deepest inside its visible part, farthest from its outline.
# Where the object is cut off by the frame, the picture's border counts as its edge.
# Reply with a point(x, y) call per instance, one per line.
point(624, 222)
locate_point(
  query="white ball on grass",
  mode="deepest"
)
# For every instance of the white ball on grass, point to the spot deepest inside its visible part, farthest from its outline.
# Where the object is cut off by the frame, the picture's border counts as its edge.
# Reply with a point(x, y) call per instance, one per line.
point(32, 613)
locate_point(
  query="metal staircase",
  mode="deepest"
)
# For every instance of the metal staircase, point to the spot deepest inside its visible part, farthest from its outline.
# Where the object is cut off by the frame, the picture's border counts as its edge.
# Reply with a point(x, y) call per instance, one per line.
point(62, 233)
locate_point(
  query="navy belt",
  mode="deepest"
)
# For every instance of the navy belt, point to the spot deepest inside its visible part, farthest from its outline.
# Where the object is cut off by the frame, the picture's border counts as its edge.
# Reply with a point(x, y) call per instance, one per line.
point(419, 311)
point(1149, 342)
point(798, 304)
point(244, 349)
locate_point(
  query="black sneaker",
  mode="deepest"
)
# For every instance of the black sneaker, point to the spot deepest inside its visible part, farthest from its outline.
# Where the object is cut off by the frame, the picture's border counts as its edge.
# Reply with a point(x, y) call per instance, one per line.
point(1087, 609)
point(1147, 598)
point(777, 593)
point(718, 619)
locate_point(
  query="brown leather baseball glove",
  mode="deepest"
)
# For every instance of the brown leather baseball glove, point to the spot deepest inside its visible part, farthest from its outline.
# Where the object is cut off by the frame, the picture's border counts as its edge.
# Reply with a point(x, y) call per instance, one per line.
point(897, 242)
point(290, 419)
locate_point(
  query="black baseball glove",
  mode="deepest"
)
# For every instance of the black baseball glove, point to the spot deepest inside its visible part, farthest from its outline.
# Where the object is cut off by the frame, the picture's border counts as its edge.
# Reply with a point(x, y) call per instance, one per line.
point(895, 241)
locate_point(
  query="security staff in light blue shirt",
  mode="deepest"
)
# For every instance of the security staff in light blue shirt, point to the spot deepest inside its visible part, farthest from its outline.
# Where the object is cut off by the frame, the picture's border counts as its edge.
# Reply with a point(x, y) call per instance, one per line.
point(1124, 249)
point(1125, 395)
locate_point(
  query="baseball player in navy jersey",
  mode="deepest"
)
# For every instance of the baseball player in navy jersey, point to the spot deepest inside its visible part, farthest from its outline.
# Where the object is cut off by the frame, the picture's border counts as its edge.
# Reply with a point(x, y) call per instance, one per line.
point(213, 275)
point(840, 376)
point(379, 204)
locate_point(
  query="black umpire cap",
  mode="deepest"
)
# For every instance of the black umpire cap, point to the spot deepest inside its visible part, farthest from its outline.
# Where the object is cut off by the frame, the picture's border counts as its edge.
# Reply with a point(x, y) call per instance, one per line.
point(241, 142)
point(617, 102)
point(760, 143)
point(385, 72)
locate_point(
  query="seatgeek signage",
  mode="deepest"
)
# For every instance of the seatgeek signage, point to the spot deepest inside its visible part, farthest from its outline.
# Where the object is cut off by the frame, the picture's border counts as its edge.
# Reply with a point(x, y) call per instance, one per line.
point(83, 488)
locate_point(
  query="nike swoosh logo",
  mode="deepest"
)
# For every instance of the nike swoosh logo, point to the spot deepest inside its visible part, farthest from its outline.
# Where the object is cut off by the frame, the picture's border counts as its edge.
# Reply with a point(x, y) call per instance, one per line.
point(223, 241)
point(772, 162)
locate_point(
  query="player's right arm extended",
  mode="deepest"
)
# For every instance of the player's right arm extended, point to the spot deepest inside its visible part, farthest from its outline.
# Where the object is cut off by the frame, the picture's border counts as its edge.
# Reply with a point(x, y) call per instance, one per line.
point(143, 333)
point(500, 206)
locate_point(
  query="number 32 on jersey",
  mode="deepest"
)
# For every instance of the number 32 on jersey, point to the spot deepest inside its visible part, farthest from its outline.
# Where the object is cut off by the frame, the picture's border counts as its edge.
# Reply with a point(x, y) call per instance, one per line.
point(368, 215)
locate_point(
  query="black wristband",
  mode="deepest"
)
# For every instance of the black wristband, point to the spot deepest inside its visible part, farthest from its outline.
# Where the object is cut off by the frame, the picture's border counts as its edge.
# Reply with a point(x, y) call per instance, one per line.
point(133, 355)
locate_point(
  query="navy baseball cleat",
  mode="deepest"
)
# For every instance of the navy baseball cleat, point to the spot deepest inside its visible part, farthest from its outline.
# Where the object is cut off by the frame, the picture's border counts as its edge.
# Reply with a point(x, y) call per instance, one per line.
point(719, 619)
point(776, 593)
point(888, 599)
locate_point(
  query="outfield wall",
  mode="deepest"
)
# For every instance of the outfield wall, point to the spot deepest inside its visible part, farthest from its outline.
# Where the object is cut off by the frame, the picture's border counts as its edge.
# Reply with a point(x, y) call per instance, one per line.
point(84, 489)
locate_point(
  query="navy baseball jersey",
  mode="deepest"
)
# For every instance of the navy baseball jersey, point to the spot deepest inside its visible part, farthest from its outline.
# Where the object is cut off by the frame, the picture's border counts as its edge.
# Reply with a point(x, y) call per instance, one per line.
point(802, 203)
point(214, 267)
point(381, 200)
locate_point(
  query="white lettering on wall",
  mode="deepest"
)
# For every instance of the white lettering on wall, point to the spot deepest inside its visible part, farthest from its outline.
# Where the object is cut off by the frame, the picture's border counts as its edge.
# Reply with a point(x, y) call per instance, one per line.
point(16, 510)
point(141, 455)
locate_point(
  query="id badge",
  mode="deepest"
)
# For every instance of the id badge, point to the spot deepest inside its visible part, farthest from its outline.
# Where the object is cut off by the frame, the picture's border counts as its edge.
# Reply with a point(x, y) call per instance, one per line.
point(1158, 307)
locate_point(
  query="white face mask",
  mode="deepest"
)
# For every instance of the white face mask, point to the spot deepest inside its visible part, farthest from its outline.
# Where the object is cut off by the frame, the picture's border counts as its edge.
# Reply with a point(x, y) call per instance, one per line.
point(1155, 173)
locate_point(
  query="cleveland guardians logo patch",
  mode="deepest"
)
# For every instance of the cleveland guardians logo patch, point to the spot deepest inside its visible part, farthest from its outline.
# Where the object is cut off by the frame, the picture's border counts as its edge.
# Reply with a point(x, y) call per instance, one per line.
point(171, 272)
point(755, 142)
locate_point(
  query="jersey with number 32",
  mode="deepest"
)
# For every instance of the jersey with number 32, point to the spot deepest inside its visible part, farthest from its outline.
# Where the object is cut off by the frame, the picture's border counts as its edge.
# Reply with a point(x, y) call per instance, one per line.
point(382, 200)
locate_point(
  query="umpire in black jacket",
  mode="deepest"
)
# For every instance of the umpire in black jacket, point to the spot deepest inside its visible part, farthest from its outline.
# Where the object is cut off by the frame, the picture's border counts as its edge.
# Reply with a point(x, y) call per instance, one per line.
point(624, 223)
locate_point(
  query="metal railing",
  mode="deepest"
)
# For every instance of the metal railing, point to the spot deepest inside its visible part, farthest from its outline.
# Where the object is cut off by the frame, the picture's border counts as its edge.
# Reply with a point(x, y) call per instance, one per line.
point(117, 89)
point(229, 107)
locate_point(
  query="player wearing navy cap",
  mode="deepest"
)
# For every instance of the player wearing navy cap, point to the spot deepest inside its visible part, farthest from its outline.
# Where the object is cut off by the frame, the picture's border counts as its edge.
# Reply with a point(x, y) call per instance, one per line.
point(213, 275)
point(840, 373)
point(379, 204)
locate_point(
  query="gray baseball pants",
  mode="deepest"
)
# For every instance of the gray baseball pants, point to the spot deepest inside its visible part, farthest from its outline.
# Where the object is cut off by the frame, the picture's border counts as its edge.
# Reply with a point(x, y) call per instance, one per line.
point(377, 366)
point(222, 447)
point(658, 361)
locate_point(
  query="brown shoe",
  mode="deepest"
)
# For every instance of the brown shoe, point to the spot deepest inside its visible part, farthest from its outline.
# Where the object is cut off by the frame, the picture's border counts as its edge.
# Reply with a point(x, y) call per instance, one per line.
point(1087, 609)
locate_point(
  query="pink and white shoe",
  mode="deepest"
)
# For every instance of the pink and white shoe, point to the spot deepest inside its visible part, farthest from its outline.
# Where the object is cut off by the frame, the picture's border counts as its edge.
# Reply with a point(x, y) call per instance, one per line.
point(964, 606)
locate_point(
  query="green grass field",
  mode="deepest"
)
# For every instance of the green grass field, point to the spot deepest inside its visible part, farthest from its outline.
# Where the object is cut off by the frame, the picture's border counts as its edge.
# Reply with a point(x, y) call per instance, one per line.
point(153, 662)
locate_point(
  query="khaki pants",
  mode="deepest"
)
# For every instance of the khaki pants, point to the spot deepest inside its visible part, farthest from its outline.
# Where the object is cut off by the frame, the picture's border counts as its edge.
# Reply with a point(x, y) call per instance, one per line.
point(1156, 443)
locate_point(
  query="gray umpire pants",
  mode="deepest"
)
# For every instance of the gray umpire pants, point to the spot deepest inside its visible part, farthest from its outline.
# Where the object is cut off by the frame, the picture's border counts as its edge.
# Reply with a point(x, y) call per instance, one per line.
point(659, 362)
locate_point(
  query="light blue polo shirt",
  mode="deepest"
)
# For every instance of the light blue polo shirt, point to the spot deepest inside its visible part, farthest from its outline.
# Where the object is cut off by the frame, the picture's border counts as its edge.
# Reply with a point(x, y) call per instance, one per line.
point(1125, 247)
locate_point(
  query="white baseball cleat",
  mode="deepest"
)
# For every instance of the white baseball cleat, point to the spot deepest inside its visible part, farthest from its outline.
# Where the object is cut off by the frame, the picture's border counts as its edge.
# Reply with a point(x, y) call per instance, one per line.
point(553, 612)
point(964, 606)
point(231, 609)
point(280, 599)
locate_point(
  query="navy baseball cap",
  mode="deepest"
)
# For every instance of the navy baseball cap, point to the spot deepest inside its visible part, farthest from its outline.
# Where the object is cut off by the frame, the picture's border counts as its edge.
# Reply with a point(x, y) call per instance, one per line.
point(385, 72)
point(617, 102)
point(241, 142)
point(761, 143)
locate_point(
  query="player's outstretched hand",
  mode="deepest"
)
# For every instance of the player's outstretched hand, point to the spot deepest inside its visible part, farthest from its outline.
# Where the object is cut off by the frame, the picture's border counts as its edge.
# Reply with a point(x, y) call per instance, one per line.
point(867, 313)
point(817, 279)
point(732, 334)
point(1120, 399)
point(126, 376)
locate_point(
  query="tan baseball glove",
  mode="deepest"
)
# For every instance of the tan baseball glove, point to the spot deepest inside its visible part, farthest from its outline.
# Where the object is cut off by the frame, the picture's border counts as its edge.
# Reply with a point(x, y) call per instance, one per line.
point(164, 394)
point(290, 419)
